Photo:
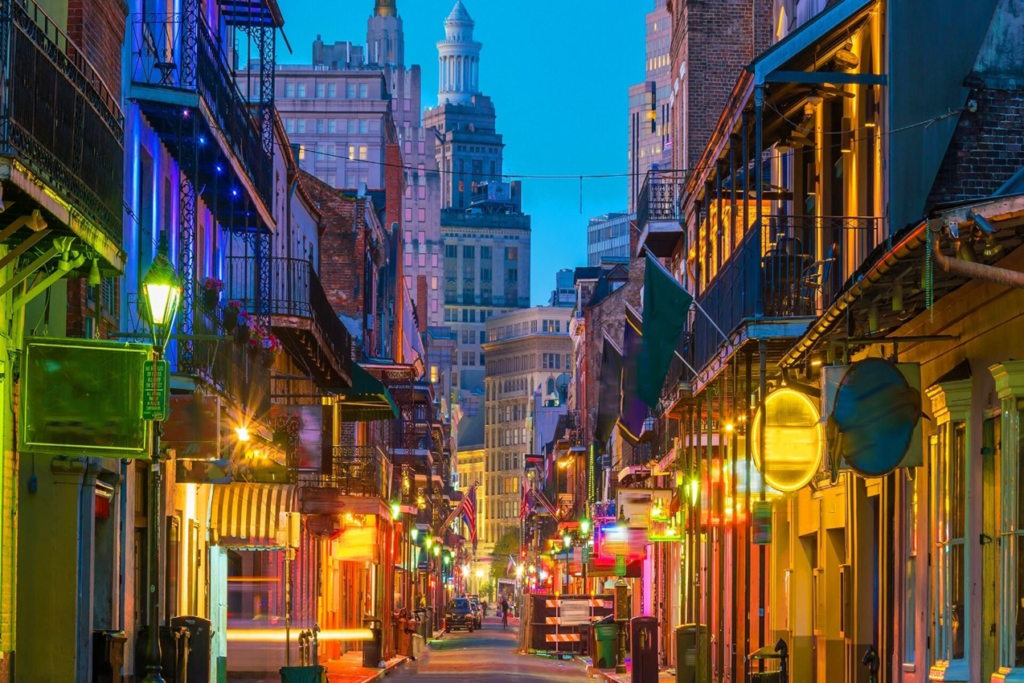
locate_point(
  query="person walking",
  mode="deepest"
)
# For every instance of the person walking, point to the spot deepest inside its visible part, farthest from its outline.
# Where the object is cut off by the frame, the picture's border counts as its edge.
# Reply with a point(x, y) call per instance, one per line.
point(504, 612)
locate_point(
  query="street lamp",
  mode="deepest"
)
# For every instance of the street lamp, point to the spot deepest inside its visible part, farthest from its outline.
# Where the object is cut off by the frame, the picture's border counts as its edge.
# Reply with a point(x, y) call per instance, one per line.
point(161, 292)
point(566, 540)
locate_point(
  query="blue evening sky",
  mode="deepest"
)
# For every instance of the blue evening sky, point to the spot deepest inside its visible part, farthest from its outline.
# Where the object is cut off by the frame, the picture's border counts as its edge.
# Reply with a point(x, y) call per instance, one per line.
point(558, 73)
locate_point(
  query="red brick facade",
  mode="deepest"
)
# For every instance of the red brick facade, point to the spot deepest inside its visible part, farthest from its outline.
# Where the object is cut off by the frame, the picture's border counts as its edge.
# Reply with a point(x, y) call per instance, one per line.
point(98, 27)
point(986, 149)
point(712, 41)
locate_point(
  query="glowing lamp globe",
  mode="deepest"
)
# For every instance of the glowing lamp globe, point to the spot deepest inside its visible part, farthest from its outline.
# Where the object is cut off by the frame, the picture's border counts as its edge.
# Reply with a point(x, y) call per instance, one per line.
point(161, 292)
point(794, 440)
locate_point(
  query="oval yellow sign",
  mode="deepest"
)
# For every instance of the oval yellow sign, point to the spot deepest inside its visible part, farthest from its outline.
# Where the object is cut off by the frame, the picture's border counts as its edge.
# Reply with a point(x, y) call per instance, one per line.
point(794, 440)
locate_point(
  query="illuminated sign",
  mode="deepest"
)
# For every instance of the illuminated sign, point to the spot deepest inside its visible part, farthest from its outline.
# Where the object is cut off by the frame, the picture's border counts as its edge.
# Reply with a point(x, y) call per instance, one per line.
point(794, 440)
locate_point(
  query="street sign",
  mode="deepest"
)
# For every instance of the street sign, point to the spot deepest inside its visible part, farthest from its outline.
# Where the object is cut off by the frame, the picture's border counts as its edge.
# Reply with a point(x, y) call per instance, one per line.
point(155, 390)
point(620, 565)
point(586, 554)
point(574, 612)
point(762, 513)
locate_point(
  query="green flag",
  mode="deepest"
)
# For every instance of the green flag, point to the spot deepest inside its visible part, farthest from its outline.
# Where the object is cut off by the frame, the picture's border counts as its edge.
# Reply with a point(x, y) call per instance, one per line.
point(666, 304)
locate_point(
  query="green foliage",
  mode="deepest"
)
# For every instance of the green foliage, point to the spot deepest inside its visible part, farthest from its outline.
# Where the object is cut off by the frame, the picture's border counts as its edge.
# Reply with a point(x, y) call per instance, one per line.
point(507, 545)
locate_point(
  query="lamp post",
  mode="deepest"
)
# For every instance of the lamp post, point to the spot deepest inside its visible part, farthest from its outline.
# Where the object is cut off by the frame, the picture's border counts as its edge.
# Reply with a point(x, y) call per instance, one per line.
point(585, 534)
point(566, 548)
point(161, 292)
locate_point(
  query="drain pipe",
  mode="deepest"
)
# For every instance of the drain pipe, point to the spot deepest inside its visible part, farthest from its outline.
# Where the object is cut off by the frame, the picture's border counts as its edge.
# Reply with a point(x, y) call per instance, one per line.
point(977, 271)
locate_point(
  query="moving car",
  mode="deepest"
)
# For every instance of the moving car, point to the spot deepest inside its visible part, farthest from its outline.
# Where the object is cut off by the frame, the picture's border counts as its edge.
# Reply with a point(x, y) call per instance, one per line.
point(459, 615)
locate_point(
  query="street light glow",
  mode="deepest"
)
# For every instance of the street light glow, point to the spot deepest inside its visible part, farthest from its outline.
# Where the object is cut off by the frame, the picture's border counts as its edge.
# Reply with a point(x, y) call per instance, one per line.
point(242, 433)
point(479, 573)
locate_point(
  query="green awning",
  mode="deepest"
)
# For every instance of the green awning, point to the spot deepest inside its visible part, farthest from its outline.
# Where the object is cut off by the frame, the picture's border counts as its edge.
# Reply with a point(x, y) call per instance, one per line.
point(367, 400)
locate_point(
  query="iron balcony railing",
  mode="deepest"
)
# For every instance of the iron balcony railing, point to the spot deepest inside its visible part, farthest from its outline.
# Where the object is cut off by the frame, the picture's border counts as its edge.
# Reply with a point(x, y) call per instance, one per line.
point(795, 266)
point(58, 118)
point(230, 365)
point(659, 198)
point(353, 471)
point(179, 52)
point(295, 290)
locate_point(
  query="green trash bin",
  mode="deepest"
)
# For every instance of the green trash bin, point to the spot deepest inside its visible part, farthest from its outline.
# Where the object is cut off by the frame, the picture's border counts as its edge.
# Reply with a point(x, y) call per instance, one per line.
point(605, 646)
point(302, 674)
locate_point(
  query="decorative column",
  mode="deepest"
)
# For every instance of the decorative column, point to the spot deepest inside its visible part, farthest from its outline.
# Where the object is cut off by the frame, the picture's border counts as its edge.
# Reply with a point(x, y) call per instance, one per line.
point(951, 407)
point(1009, 377)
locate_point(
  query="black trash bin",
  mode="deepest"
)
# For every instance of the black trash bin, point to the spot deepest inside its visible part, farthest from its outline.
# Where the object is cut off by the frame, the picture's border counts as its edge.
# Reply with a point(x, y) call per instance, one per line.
point(372, 648)
point(422, 622)
point(108, 656)
point(173, 653)
point(643, 636)
point(690, 664)
point(200, 641)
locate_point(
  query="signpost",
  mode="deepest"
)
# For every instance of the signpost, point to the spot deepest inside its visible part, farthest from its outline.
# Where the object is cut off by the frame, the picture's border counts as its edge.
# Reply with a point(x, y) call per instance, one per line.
point(156, 390)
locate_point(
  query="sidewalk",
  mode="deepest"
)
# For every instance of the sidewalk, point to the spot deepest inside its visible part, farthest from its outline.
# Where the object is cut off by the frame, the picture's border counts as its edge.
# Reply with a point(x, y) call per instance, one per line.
point(349, 669)
point(610, 676)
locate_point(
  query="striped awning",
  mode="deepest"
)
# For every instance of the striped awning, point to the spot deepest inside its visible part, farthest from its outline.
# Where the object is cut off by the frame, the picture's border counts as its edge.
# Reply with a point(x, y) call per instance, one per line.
point(249, 516)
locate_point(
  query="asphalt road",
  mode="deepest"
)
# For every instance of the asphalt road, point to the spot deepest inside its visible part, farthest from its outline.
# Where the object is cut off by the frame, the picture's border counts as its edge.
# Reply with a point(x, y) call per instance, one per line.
point(488, 654)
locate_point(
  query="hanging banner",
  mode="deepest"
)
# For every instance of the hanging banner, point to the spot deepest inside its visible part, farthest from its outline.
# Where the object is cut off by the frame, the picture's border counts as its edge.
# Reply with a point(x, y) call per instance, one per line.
point(193, 428)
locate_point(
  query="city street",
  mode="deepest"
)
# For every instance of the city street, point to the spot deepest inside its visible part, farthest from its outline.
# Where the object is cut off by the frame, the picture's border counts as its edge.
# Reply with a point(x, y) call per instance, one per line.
point(485, 655)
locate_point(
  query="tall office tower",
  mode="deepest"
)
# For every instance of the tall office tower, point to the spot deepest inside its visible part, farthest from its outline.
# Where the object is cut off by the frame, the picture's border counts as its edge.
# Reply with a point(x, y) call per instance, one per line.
point(650, 105)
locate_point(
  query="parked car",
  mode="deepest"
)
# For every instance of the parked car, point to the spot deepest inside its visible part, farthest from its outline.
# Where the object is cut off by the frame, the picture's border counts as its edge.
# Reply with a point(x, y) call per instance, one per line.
point(478, 612)
point(459, 615)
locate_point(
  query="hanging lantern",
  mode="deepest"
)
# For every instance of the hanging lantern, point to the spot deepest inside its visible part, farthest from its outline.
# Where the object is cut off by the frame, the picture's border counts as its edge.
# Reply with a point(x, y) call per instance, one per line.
point(794, 440)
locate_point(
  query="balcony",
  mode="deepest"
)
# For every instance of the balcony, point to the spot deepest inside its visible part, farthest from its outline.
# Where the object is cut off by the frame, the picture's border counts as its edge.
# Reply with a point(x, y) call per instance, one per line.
point(227, 364)
point(179, 68)
point(61, 134)
point(790, 270)
point(658, 211)
point(355, 472)
point(300, 314)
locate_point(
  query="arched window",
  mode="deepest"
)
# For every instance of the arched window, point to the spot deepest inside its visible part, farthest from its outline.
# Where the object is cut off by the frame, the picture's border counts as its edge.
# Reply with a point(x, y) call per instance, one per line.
point(551, 385)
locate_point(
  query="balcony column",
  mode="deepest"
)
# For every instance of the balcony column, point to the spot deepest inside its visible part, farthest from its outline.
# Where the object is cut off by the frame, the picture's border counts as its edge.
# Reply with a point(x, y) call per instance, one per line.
point(734, 140)
point(759, 193)
point(745, 135)
point(719, 170)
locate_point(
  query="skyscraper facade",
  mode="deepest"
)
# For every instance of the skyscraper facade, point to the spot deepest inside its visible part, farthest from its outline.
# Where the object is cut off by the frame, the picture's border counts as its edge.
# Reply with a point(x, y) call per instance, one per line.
point(650, 105)
point(469, 150)
point(341, 111)
point(608, 238)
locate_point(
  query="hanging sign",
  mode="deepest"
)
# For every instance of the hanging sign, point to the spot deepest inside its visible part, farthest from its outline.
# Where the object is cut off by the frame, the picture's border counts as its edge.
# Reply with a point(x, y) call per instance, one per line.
point(794, 440)
point(762, 529)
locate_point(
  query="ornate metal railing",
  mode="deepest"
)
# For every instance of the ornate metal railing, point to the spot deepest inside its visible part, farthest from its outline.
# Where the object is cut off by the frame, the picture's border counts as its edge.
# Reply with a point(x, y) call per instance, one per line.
point(795, 266)
point(659, 197)
point(58, 118)
point(295, 290)
point(181, 51)
point(353, 471)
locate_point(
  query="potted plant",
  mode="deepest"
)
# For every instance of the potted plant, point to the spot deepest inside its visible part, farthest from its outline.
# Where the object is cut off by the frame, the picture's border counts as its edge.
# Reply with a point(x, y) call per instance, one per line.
point(212, 287)
point(231, 313)
point(243, 332)
point(255, 338)
point(271, 349)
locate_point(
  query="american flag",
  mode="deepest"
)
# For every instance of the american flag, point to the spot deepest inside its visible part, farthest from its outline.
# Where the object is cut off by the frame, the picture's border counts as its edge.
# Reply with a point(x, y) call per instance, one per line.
point(524, 503)
point(469, 513)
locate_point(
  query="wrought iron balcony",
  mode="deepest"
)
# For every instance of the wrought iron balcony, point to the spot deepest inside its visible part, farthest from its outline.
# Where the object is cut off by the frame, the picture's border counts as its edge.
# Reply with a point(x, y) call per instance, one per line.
point(227, 363)
point(300, 314)
point(60, 122)
point(178, 64)
point(658, 211)
point(361, 471)
point(794, 267)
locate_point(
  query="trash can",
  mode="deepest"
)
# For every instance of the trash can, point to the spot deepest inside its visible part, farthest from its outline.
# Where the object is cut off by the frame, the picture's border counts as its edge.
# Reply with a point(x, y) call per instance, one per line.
point(406, 628)
point(200, 640)
point(302, 674)
point(428, 632)
point(108, 656)
point(643, 636)
point(605, 635)
point(173, 653)
point(422, 626)
point(372, 647)
point(690, 664)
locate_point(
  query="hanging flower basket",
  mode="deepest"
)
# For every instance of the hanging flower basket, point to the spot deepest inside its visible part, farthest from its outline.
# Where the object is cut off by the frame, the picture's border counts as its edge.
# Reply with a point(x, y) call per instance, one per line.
point(231, 313)
point(269, 358)
point(212, 287)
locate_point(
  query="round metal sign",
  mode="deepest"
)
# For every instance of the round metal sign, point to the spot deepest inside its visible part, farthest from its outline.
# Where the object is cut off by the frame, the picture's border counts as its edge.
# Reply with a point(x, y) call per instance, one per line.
point(794, 440)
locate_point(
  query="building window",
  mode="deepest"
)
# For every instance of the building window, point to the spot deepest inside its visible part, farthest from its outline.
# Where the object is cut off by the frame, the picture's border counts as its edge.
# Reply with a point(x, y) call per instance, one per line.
point(363, 91)
point(350, 91)
point(319, 125)
point(364, 125)
point(351, 125)
point(468, 252)
point(302, 125)
point(433, 284)
point(422, 216)
point(408, 216)
point(422, 260)
point(289, 125)
point(332, 90)
point(332, 125)
point(302, 90)
point(362, 152)
point(422, 191)
point(289, 90)
point(320, 89)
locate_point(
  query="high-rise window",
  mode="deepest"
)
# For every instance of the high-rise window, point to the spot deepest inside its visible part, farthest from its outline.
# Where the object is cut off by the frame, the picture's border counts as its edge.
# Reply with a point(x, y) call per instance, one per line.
point(332, 125)
point(320, 89)
point(364, 125)
point(301, 89)
point(289, 90)
point(302, 125)
point(332, 90)
point(362, 152)
point(350, 91)
point(363, 91)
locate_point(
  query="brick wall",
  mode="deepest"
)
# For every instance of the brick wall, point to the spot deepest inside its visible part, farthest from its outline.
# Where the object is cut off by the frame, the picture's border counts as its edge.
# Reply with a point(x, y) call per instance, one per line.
point(97, 27)
point(716, 39)
point(342, 247)
point(986, 149)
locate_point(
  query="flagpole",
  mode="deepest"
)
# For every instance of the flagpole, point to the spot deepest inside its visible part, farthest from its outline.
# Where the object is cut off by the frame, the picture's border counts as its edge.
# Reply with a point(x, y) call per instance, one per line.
point(695, 373)
point(713, 323)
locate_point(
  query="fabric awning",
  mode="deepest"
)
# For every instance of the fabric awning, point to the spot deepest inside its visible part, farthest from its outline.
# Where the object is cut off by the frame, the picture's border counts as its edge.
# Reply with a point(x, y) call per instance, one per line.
point(367, 400)
point(249, 516)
